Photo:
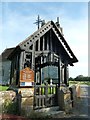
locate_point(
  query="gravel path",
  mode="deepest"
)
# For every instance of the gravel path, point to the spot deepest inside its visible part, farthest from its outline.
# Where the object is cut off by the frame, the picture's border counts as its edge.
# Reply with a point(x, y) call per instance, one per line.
point(82, 108)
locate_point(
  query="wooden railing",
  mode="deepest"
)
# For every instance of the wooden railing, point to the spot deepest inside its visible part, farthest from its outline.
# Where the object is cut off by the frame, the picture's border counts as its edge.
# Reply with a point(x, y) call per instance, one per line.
point(45, 96)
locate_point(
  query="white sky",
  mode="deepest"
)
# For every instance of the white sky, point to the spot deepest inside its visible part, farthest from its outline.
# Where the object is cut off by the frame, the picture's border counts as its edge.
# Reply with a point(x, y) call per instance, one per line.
point(17, 20)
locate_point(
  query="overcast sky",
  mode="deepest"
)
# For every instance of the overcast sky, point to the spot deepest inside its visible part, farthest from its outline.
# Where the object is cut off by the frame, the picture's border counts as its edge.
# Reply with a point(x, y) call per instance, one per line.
point(17, 20)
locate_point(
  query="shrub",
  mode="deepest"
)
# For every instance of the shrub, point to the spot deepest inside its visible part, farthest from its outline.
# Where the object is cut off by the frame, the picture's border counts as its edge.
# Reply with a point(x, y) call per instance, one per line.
point(10, 107)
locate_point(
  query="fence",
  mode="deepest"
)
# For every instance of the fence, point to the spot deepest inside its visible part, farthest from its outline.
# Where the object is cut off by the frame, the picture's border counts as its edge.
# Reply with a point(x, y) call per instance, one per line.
point(45, 96)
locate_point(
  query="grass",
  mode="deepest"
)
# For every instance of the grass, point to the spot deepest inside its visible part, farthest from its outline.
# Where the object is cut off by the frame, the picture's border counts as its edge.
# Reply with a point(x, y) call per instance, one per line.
point(79, 82)
point(3, 88)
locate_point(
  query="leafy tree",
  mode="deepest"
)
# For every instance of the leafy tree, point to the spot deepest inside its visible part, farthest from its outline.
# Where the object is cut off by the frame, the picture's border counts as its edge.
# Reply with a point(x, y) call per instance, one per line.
point(80, 78)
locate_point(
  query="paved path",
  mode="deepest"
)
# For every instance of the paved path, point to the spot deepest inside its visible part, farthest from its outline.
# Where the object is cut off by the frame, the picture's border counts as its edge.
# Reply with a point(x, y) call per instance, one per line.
point(82, 108)
point(85, 96)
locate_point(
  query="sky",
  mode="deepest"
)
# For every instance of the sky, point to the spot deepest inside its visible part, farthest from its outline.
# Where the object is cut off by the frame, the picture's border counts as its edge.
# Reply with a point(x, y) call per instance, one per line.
point(17, 20)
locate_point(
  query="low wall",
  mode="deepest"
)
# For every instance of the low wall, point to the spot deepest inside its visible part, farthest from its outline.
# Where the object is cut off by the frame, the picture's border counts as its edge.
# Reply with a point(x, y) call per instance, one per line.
point(20, 102)
point(26, 100)
point(64, 99)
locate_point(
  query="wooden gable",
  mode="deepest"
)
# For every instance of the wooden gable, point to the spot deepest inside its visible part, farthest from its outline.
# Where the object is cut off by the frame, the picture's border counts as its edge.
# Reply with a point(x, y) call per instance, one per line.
point(30, 42)
point(45, 47)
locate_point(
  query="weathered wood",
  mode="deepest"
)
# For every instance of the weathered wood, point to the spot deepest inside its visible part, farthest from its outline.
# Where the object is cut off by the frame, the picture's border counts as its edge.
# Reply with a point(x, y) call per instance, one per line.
point(51, 40)
point(66, 74)
point(39, 44)
point(62, 74)
point(33, 56)
point(47, 41)
point(43, 98)
point(59, 72)
point(43, 43)
point(38, 33)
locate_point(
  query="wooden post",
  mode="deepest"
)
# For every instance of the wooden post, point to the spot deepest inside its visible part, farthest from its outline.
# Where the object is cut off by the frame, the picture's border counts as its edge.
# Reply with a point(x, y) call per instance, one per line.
point(62, 74)
point(19, 102)
point(60, 68)
point(40, 74)
point(41, 71)
point(33, 60)
point(58, 72)
point(39, 44)
point(50, 40)
point(43, 43)
point(47, 41)
point(65, 74)
point(21, 61)
point(46, 93)
point(34, 100)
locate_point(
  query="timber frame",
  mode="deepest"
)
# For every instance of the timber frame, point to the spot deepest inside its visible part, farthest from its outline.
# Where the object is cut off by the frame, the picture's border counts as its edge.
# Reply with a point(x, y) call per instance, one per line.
point(45, 47)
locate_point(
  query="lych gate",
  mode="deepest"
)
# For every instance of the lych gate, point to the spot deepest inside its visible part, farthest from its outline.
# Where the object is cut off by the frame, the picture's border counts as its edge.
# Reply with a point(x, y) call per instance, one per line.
point(46, 48)
point(45, 96)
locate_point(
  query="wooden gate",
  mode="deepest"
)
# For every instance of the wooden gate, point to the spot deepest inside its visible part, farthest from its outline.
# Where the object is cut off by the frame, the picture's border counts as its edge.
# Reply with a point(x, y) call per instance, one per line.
point(45, 96)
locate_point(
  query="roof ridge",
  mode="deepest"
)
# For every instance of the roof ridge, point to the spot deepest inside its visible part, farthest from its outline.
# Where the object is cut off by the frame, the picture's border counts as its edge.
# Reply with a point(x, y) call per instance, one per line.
point(33, 34)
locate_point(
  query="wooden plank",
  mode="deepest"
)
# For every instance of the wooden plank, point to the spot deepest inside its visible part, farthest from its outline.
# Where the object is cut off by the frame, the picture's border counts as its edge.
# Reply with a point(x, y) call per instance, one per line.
point(47, 41)
point(58, 72)
point(43, 43)
point(39, 102)
point(39, 33)
point(43, 101)
point(65, 74)
point(46, 100)
point(51, 40)
point(39, 44)
point(39, 91)
point(33, 57)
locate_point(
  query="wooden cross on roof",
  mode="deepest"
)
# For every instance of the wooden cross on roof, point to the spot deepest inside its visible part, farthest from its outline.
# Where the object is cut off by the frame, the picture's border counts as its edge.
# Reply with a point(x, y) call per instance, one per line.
point(38, 21)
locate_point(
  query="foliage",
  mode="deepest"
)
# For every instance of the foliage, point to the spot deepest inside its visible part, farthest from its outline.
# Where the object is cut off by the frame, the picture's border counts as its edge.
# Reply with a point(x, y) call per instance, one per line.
point(10, 107)
point(3, 88)
point(80, 78)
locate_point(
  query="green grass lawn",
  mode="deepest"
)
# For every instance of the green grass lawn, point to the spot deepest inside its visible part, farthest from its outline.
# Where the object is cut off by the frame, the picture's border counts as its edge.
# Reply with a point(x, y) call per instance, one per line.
point(3, 88)
point(79, 82)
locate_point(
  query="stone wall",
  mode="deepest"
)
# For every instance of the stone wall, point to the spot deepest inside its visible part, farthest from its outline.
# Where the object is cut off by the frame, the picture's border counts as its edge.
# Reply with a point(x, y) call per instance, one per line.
point(72, 88)
point(27, 99)
point(64, 99)
point(23, 100)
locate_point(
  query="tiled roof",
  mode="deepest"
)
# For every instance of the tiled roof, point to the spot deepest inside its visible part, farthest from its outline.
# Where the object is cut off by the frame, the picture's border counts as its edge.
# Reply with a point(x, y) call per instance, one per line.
point(6, 53)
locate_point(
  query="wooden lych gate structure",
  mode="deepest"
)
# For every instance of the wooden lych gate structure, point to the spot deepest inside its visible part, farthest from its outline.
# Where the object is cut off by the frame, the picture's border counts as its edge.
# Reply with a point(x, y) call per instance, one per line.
point(45, 47)
point(45, 96)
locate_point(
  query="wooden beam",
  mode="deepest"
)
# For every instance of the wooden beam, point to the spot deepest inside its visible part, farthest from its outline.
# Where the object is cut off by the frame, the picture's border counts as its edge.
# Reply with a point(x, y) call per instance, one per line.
point(51, 40)
point(38, 34)
point(43, 43)
point(33, 56)
point(62, 74)
point(47, 41)
point(65, 74)
point(58, 72)
point(21, 59)
point(60, 68)
point(39, 44)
